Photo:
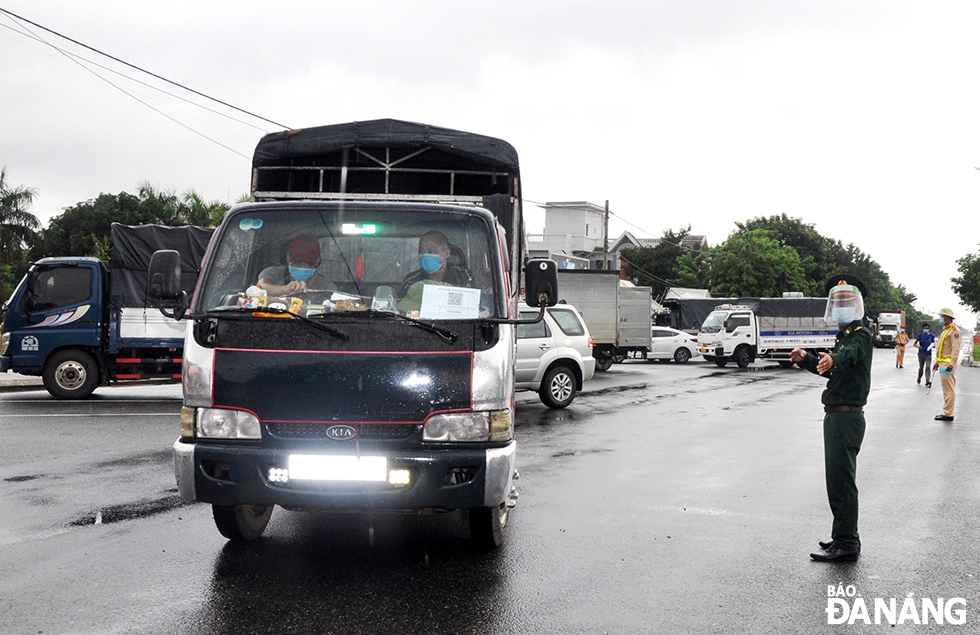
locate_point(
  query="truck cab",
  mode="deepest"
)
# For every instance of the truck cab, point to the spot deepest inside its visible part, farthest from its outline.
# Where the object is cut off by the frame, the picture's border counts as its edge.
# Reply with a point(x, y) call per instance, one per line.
point(54, 323)
point(730, 331)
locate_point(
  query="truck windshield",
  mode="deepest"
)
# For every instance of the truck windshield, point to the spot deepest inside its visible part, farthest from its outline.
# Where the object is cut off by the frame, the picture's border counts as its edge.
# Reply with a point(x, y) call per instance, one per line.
point(318, 261)
point(714, 322)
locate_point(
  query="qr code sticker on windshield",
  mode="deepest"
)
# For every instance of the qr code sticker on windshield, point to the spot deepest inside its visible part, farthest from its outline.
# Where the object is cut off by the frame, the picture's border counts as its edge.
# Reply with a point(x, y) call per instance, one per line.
point(454, 298)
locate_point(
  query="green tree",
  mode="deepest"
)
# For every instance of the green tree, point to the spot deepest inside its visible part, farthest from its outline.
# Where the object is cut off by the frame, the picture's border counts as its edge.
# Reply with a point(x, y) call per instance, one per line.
point(967, 284)
point(753, 263)
point(18, 227)
point(197, 211)
point(819, 256)
point(657, 266)
point(18, 232)
point(693, 271)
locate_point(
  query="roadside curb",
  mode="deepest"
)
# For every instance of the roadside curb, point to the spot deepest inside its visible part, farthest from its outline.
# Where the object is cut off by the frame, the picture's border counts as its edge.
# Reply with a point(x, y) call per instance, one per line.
point(20, 384)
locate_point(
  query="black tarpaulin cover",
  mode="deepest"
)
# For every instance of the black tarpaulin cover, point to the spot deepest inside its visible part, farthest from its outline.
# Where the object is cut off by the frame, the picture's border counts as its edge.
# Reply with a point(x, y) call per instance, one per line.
point(130, 249)
point(273, 148)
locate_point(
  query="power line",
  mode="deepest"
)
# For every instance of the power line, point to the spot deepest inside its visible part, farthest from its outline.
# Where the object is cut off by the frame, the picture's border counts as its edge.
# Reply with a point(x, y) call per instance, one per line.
point(142, 70)
point(76, 56)
point(132, 96)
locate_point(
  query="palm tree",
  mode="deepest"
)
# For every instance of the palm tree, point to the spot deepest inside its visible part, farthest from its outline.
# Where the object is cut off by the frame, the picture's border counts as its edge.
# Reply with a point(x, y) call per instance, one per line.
point(18, 227)
point(203, 213)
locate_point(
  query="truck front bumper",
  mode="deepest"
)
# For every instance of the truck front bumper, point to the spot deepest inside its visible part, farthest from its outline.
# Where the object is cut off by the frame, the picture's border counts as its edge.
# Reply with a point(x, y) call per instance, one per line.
point(440, 479)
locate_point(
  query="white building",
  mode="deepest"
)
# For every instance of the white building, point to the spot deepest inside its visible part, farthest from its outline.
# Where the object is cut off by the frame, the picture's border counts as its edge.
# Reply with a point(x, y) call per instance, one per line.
point(573, 237)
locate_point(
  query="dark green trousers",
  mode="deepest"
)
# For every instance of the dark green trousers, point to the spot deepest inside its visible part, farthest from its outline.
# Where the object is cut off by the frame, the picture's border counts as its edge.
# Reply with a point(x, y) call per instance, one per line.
point(843, 433)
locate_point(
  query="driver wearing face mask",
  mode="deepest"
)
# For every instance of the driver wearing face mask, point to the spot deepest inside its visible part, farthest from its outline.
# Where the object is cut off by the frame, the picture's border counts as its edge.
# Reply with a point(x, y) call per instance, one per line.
point(300, 274)
point(434, 268)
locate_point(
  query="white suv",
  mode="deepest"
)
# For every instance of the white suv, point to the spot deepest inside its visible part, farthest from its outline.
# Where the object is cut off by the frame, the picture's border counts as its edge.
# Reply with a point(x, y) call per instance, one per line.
point(554, 356)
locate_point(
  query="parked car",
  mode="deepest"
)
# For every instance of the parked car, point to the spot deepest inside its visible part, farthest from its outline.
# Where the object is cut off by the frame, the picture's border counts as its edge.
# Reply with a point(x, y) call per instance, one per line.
point(554, 356)
point(668, 343)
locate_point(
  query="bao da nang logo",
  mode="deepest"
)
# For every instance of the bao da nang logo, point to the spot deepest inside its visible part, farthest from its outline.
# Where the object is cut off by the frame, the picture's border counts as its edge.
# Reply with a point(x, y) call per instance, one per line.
point(845, 606)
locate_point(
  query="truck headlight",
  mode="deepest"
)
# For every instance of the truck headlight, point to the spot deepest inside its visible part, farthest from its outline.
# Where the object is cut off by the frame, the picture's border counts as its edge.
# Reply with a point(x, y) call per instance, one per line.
point(469, 427)
point(219, 423)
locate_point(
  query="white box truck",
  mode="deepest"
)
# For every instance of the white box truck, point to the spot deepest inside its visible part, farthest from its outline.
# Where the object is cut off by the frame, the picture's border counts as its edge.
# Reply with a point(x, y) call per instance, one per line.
point(619, 316)
point(765, 328)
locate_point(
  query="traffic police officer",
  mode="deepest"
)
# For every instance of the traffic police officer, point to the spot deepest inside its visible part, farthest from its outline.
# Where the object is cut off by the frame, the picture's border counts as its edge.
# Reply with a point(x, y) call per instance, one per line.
point(947, 356)
point(848, 372)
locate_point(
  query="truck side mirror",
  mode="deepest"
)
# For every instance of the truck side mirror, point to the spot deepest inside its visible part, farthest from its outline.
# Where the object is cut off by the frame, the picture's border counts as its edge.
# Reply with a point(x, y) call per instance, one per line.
point(163, 283)
point(541, 282)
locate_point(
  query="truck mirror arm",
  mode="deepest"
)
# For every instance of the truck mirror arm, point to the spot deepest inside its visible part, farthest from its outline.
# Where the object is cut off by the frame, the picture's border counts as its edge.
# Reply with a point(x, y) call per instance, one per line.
point(177, 308)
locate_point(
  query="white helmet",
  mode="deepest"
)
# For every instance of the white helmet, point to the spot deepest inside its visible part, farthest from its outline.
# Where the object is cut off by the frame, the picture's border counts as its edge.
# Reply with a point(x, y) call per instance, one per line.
point(947, 312)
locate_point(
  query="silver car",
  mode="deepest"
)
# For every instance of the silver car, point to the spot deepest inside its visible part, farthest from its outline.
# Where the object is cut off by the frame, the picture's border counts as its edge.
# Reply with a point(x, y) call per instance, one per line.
point(671, 344)
point(554, 356)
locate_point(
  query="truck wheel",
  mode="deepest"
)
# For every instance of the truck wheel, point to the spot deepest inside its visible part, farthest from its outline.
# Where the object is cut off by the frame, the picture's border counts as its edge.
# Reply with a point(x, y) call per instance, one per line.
point(744, 357)
point(721, 361)
point(602, 364)
point(240, 523)
point(487, 525)
point(558, 387)
point(71, 374)
point(682, 356)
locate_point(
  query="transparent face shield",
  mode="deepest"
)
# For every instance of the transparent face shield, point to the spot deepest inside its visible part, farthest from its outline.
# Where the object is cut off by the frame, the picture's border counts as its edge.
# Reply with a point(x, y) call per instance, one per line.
point(844, 304)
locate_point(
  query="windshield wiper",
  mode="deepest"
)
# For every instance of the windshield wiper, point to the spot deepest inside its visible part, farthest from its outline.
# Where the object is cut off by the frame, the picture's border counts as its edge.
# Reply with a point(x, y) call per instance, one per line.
point(305, 321)
point(441, 331)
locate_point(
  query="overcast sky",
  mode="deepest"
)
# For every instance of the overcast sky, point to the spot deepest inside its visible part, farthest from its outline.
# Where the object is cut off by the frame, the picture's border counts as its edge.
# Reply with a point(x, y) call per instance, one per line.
point(860, 117)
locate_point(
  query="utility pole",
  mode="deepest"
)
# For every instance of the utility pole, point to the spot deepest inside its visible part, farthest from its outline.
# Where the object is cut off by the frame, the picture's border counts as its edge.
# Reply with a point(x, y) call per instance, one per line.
point(605, 237)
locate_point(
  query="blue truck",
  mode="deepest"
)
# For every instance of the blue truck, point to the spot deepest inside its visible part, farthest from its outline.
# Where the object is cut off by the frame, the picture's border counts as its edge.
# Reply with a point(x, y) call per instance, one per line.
point(79, 324)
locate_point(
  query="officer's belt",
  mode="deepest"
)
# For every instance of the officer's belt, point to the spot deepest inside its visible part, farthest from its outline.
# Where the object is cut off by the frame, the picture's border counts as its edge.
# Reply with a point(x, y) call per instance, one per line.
point(843, 408)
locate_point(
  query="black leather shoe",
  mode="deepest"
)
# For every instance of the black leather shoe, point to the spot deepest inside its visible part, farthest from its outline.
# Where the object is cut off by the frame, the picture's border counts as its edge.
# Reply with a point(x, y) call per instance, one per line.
point(837, 554)
point(943, 418)
point(826, 545)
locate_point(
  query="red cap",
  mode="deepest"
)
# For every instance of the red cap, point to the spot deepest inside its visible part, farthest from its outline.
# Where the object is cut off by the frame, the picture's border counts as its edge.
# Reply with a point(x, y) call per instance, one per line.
point(304, 248)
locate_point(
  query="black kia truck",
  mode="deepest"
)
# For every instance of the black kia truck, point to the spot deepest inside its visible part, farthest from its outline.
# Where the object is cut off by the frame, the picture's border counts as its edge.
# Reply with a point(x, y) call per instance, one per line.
point(327, 366)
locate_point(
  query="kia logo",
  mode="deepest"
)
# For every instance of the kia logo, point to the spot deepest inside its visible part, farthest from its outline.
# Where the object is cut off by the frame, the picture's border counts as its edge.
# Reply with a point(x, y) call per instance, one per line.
point(341, 433)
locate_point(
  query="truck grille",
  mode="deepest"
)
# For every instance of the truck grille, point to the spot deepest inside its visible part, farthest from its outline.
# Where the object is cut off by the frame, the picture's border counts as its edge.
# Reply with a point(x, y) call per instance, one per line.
point(364, 430)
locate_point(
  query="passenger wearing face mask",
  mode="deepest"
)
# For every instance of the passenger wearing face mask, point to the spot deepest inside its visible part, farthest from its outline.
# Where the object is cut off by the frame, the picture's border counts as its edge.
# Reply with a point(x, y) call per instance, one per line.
point(925, 341)
point(434, 268)
point(848, 372)
point(300, 274)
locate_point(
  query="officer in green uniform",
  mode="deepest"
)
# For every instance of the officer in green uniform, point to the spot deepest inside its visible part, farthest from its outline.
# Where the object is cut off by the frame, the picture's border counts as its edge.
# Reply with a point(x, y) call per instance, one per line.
point(848, 372)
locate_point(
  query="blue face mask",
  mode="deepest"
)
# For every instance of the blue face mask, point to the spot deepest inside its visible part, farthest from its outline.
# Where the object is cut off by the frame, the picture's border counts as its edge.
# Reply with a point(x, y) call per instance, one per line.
point(430, 263)
point(844, 314)
point(301, 273)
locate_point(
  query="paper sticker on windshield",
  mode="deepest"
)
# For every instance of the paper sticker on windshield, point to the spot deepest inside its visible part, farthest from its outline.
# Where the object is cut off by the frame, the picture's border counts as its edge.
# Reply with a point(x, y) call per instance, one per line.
point(440, 302)
point(249, 223)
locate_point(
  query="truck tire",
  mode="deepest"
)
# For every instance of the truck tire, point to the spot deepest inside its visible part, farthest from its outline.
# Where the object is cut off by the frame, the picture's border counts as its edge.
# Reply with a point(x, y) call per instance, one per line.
point(487, 525)
point(241, 523)
point(721, 361)
point(71, 374)
point(558, 387)
point(744, 356)
point(602, 364)
point(682, 355)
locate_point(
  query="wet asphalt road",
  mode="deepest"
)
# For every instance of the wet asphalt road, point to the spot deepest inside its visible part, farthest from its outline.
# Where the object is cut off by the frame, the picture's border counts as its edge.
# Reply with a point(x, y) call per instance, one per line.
point(666, 499)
